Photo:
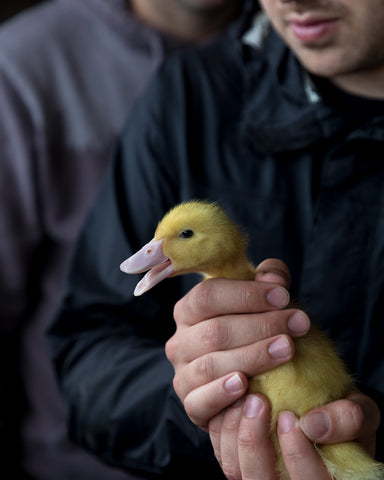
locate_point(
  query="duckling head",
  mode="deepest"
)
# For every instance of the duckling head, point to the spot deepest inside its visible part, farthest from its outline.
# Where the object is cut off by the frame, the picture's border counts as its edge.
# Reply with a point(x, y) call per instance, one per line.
point(196, 237)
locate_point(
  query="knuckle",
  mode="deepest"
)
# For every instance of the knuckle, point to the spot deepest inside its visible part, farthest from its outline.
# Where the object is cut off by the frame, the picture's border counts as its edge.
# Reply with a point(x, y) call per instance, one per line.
point(192, 306)
point(246, 440)
point(177, 384)
point(202, 295)
point(215, 425)
point(230, 425)
point(215, 334)
point(184, 310)
point(294, 455)
point(194, 413)
point(204, 370)
point(365, 412)
point(351, 416)
point(178, 310)
point(357, 416)
point(171, 349)
point(264, 328)
point(254, 361)
point(230, 470)
point(269, 323)
point(249, 294)
point(189, 408)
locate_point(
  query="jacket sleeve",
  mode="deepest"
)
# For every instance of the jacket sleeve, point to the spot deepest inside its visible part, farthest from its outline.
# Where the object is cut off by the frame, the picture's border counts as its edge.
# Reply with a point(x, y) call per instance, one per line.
point(108, 346)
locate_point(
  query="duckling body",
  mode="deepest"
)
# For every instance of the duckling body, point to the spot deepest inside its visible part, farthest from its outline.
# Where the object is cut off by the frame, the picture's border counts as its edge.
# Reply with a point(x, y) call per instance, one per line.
point(199, 237)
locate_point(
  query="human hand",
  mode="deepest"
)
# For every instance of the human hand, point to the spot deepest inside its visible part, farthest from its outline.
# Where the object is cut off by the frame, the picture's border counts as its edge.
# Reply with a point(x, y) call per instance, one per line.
point(227, 331)
point(242, 445)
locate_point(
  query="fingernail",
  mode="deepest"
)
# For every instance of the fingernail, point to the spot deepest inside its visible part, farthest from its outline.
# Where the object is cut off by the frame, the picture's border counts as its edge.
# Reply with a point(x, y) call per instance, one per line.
point(234, 384)
point(253, 406)
point(298, 323)
point(286, 422)
point(278, 297)
point(314, 425)
point(280, 348)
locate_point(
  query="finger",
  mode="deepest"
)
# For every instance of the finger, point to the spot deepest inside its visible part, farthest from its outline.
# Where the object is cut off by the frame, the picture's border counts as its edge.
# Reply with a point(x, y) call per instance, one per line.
point(355, 418)
point(257, 458)
point(234, 331)
point(300, 457)
point(217, 297)
point(205, 402)
point(228, 441)
point(275, 271)
point(214, 429)
point(251, 360)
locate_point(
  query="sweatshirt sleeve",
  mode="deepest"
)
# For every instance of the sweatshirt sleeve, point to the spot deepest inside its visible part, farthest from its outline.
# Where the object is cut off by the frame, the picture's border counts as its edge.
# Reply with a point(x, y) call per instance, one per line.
point(19, 225)
point(20, 230)
point(108, 346)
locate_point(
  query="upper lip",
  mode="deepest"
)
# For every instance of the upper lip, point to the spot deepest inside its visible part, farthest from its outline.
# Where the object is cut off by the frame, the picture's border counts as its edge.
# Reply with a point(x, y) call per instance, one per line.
point(309, 18)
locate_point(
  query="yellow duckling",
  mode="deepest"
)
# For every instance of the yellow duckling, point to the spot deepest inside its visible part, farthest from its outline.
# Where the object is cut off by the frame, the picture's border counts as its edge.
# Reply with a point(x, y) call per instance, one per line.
point(199, 237)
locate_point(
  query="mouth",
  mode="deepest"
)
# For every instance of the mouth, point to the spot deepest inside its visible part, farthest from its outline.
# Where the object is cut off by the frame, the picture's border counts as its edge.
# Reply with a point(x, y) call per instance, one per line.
point(154, 276)
point(152, 260)
point(312, 29)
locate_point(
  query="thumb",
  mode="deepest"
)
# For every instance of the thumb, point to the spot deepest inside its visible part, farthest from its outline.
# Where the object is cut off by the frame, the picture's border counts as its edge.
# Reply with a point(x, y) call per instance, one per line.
point(356, 417)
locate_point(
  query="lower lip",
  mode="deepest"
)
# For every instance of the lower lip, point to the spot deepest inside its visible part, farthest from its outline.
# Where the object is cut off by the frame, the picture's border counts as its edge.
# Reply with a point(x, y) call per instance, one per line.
point(312, 32)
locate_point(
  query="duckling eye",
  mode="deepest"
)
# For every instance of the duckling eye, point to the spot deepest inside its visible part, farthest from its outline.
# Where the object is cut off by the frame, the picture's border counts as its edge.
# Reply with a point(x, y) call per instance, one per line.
point(186, 234)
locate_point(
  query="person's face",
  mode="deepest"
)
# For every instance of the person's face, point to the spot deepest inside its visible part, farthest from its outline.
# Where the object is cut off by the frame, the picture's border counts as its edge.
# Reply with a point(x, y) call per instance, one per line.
point(331, 38)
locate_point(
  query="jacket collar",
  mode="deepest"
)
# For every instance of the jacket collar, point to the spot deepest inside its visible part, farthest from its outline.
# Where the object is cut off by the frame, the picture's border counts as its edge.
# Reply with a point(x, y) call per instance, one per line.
point(283, 109)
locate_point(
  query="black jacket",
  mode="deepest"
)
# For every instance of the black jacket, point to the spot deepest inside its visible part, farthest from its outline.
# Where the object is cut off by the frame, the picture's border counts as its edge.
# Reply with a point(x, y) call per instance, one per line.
point(302, 171)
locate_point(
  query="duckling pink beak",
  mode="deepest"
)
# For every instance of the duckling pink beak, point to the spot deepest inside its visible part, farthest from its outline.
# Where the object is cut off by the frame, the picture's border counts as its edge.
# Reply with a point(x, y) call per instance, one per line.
point(152, 258)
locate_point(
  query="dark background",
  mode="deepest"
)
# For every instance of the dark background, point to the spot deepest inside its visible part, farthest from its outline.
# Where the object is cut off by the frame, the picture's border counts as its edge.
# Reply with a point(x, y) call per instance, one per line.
point(11, 7)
